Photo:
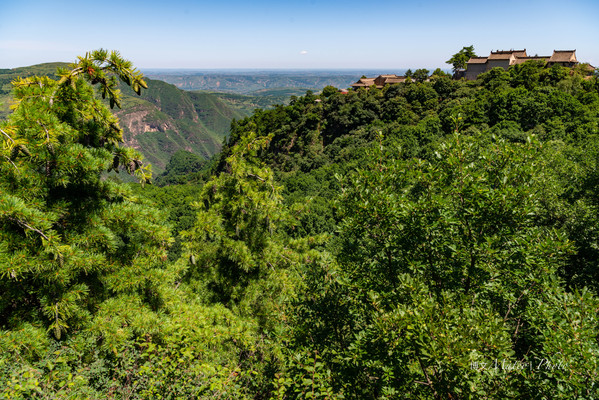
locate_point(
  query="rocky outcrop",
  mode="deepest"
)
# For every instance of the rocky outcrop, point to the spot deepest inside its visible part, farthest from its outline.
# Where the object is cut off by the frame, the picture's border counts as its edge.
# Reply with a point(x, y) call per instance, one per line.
point(162, 121)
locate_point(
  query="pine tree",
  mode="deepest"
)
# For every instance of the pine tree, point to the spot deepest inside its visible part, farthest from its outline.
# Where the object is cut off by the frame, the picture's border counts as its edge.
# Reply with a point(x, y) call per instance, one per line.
point(235, 249)
point(74, 244)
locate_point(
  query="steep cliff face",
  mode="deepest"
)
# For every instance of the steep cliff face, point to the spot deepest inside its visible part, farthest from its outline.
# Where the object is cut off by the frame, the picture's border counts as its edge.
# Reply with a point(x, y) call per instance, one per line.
point(138, 120)
point(166, 119)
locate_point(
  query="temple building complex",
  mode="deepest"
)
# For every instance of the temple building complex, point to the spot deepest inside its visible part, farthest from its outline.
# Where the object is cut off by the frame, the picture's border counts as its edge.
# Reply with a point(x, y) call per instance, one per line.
point(477, 65)
point(506, 58)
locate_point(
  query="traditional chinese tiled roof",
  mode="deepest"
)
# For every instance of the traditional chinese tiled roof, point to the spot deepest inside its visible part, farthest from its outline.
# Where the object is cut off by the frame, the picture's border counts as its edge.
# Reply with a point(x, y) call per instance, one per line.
point(477, 60)
point(563, 56)
point(395, 79)
point(522, 60)
point(380, 81)
point(519, 57)
point(506, 54)
point(364, 82)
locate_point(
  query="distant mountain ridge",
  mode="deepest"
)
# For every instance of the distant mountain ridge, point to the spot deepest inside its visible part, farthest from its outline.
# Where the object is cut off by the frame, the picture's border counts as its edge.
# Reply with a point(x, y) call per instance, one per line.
point(250, 82)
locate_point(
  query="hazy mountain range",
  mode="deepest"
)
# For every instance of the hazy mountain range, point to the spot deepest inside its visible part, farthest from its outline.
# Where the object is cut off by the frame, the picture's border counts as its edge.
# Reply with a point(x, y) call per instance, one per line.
point(255, 81)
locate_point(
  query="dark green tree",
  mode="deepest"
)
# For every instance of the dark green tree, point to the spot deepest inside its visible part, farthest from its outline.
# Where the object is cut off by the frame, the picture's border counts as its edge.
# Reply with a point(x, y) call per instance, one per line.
point(421, 75)
point(236, 253)
point(554, 74)
point(329, 91)
point(460, 59)
point(527, 74)
point(180, 167)
point(440, 73)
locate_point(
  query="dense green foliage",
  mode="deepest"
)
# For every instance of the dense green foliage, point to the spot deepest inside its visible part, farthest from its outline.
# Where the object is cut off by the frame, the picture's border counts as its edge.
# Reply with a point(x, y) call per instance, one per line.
point(465, 232)
point(430, 240)
point(68, 237)
point(90, 307)
point(448, 266)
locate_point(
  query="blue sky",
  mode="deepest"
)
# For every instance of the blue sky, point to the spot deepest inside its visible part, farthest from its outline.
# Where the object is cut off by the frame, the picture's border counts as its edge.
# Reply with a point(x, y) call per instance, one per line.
point(292, 34)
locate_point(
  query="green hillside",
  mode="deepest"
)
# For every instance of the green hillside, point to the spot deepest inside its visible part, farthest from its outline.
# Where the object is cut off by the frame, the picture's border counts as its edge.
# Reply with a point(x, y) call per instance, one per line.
point(163, 120)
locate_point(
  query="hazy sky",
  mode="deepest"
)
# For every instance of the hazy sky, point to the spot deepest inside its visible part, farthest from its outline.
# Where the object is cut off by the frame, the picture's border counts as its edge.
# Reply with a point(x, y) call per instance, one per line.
point(297, 34)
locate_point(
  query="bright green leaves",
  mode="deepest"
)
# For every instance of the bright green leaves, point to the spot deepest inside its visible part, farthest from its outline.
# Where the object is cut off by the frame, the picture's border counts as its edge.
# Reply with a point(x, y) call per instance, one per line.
point(448, 278)
point(445, 219)
point(306, 377)
point(64, 308)
point(567, 326)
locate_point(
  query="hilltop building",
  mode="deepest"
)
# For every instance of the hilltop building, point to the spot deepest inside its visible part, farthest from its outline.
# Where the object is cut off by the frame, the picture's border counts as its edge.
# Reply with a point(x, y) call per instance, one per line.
point(379, 81)
point(477, 65)
point(505, 59)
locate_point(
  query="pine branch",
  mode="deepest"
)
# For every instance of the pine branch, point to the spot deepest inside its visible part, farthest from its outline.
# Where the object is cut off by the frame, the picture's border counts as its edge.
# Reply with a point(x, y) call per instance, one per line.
point(27, 226)
point(6, 134)
point(45, 129)
point(13, 164)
